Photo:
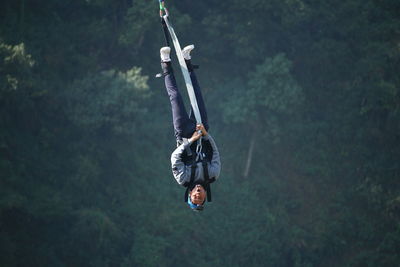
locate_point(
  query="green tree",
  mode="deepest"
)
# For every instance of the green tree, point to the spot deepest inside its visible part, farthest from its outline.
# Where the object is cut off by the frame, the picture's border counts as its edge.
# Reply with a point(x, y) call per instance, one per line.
point(271, 95)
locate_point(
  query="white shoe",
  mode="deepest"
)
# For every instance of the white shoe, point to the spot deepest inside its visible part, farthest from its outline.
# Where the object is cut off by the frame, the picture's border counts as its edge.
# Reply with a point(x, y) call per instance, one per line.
point(186, 51)
point(164, 54)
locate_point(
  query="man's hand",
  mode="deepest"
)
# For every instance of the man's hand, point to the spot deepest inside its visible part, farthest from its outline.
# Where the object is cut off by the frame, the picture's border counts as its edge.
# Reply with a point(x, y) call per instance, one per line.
point(196, 135)
point(200, 131)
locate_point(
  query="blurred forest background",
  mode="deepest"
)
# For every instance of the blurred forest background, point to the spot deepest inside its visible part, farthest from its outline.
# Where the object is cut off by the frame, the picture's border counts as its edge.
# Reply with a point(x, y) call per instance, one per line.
point(303, 99)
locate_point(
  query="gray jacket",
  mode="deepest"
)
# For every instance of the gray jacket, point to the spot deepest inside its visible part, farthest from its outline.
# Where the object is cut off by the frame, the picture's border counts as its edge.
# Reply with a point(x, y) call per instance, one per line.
point(182, 172)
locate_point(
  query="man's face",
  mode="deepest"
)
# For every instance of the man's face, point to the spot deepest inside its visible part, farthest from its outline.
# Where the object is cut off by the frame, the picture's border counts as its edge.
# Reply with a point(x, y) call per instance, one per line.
point(198, 195)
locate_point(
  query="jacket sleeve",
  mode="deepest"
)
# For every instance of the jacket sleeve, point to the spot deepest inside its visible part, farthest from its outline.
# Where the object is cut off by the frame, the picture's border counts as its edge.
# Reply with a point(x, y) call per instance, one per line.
point(214, 168)
point(180, 171)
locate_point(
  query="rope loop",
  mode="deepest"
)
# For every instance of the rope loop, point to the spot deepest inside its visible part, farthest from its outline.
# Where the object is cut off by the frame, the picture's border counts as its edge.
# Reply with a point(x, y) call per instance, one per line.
point(198, 150)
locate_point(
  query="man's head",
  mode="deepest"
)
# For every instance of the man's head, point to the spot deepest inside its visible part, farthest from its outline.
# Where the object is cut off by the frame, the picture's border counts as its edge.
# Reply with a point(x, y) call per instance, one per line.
point(197, 197)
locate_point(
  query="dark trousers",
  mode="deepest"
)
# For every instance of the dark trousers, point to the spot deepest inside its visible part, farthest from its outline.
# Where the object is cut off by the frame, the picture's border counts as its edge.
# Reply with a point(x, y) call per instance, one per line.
point(184, 124)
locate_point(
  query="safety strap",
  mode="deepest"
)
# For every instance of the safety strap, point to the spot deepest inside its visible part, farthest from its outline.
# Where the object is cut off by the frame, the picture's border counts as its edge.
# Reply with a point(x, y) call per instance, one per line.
point(206, 179)
point(192, 174)
point(185, 72)
point(186, 76)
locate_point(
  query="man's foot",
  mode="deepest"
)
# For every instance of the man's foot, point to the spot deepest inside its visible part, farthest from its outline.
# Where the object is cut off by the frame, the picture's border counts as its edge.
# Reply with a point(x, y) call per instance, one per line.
point(186, 51)
point(164, 54)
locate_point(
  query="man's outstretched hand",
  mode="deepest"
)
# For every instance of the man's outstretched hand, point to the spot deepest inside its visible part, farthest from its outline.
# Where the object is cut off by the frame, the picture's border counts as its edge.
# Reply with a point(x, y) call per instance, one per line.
point(200, 131)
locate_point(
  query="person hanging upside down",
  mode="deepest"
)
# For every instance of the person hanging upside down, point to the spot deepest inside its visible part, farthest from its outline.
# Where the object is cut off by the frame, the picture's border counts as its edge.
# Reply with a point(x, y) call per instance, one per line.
point(190, 172)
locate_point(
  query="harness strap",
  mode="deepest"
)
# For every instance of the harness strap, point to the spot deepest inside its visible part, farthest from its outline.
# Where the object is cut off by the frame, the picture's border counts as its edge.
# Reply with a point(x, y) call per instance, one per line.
point(192, 174)
point(206, 179)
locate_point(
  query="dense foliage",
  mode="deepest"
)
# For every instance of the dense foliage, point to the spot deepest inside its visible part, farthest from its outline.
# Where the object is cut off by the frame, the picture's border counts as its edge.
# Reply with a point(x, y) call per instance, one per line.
point(304, 103)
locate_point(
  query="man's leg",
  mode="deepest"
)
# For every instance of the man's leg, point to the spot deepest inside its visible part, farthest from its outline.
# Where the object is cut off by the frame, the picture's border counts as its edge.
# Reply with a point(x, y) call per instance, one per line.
point(183, 125)
point(196, 87)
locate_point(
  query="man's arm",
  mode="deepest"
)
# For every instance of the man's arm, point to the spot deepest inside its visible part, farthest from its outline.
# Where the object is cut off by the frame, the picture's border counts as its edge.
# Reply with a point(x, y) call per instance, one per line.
point(179, 170)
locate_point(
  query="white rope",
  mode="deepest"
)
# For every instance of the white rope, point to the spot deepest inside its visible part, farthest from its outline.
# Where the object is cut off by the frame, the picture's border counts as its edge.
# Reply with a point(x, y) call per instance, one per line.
point(185, 71)
point(188, 81)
